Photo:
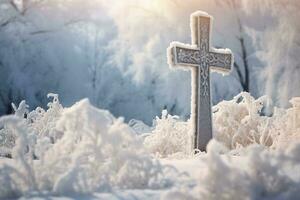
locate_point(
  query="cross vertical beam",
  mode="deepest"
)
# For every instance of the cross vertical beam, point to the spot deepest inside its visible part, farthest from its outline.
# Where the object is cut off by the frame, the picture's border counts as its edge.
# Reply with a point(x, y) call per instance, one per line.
point(200, 57)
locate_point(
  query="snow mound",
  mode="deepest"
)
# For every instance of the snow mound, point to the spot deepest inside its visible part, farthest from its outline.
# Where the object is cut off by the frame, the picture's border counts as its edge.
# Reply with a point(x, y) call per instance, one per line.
point(258, 174)
point(80, 149)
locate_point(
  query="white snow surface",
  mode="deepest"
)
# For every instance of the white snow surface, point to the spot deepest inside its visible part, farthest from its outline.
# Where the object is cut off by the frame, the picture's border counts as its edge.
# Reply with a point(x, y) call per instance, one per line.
point(83, 152)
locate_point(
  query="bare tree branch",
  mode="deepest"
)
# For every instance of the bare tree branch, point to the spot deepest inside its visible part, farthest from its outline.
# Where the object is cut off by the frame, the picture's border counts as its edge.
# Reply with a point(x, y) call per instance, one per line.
point(245, 82)
point(244, 58)
point(46, 31)
point(14, 6)
point(43, 31)
point(7, 22)
point(239, 73)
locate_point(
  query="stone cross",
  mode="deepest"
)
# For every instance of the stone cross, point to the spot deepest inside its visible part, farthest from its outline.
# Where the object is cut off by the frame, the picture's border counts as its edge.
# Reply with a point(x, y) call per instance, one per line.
point(200, 57)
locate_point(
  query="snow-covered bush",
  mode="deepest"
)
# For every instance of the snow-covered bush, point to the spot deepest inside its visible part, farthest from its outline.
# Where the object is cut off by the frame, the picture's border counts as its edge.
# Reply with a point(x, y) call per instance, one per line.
point(237, 124)
point(170, 136)
point(80, 149)
point(286, 125)
point(99, 149)
point(8, 133)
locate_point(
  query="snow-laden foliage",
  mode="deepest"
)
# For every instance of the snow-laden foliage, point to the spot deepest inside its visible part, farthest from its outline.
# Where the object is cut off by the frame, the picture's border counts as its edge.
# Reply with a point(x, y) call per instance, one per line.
point(80, 149)
point(241, 122)
point(237, 123)
point(170, 136)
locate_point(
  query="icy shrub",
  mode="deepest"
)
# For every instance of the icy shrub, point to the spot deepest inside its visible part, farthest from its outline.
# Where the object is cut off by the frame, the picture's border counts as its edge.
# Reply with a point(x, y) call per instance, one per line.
point(17, 176)
point(80, 149)
point(170, 136)
point(7, 134)
point(39, 123)
point(238, 123)
point(43, 124)
point(99, 149)
point(286, 125)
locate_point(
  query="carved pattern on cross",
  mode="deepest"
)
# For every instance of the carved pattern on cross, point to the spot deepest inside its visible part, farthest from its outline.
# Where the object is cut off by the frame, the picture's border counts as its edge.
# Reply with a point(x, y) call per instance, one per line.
point(194, 57)
point(203, 57)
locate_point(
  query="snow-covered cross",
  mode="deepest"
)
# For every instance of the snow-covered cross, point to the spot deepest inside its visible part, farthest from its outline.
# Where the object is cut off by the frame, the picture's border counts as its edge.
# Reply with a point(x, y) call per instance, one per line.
point(200, 57)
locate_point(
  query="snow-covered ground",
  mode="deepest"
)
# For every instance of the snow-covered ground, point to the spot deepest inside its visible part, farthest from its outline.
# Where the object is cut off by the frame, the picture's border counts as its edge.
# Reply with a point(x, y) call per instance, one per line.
point(82, 152)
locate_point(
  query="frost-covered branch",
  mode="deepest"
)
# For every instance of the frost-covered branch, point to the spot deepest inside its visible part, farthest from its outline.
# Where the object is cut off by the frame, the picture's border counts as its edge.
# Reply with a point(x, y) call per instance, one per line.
point(245, 82)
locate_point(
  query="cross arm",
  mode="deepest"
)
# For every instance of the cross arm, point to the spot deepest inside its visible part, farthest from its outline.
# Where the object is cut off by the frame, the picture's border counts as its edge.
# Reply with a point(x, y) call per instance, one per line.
point(220, 60)
point(183, 55)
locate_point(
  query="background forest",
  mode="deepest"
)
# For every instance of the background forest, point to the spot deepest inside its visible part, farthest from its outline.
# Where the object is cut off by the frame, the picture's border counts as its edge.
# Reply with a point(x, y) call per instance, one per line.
point(114, 52)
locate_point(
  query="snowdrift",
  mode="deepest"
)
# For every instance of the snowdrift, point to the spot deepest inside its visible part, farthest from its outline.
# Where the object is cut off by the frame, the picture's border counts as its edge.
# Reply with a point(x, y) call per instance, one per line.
point(82, 150)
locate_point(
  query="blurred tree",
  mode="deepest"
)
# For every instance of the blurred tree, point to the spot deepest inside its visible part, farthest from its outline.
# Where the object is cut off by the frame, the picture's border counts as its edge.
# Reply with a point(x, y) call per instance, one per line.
point(241, 63)
point(278, 47)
